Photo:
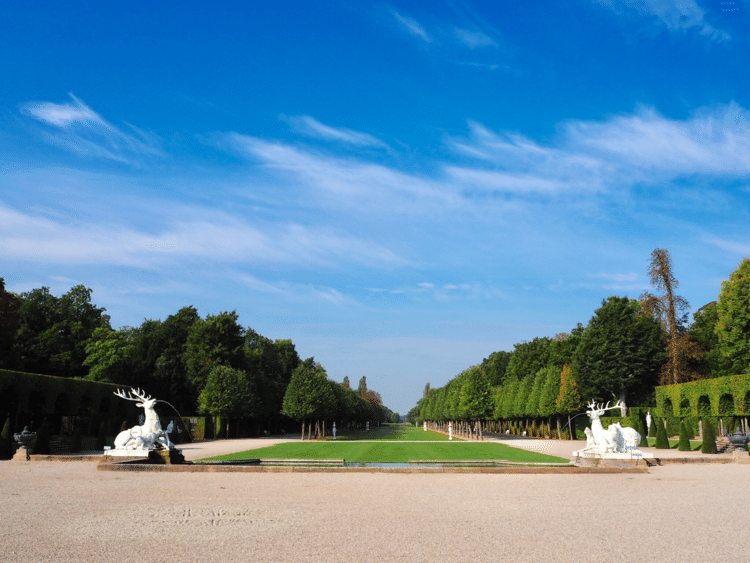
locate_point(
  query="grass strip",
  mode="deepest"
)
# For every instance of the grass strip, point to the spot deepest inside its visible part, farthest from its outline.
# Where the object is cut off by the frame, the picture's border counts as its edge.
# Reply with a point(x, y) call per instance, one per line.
point(389, 452)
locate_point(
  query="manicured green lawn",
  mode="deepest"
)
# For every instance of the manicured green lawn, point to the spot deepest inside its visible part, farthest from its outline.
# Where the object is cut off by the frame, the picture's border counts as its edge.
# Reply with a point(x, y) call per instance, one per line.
point(393, 452)
point(694, 445)
point(392, 432)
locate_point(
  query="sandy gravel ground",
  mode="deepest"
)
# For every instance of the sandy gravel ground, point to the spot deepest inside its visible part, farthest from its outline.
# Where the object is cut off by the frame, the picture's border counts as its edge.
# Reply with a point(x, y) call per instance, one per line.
point(55, 511)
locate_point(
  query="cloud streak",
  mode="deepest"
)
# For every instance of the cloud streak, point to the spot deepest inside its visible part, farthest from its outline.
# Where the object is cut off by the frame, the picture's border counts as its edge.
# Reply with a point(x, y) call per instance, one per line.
point(412, 26)
point(312, 127)
point(676, 15)
point(77, 128)
point(199, 236)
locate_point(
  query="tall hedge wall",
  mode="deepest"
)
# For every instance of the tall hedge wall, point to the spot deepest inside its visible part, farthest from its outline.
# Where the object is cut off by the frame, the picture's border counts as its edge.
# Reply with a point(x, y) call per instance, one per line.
point(30, 392)
point(722, 396)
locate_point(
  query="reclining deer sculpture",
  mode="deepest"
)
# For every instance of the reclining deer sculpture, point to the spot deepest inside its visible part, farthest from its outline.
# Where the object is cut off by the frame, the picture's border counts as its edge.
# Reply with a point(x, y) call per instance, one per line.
point(615, 439)
point(147, 436)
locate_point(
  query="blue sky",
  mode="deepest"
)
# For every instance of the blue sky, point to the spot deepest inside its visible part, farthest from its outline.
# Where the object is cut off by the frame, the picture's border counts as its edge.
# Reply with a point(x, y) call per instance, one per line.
point(401, 188)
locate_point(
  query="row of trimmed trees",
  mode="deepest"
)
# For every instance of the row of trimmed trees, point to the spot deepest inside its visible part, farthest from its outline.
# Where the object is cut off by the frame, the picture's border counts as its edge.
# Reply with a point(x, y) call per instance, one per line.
point(211, 365)
point(314, 399)
point(628, 347)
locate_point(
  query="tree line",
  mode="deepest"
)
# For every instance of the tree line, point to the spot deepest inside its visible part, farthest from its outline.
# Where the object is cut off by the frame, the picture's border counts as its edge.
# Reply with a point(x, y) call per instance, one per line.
point(212, 364)
point(627, 348)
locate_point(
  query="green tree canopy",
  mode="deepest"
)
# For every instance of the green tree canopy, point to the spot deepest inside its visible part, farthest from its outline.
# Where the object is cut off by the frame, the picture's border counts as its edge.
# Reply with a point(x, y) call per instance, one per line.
point(217, 340)
point(308, 394)
point(229, 393)
point(620, 352)
point(53, 331)
point(475, 395)
point(10, 319)
point(733, 324)
point(528, 357)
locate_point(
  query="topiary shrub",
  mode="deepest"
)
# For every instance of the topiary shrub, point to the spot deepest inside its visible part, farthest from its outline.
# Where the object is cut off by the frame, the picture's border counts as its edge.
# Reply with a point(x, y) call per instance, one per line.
point(101, 438)
point(709, 437)
point(642, 431)
point(673, 426)
point(7, 447)
point(684, 445)
point(75, 439)
point(43, 436)
point(652, 428)
point(662, 442)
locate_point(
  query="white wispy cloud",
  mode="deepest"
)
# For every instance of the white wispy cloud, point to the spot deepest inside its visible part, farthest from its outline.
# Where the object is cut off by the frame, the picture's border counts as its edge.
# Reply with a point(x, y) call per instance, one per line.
point(312, 127)
point(197, 236)
point(412, 26)
point(77, 128)
point(595, 156)
point(585, 157)
point(676, 15)
point(474, 38)
point(739, 248)
point(348, 183)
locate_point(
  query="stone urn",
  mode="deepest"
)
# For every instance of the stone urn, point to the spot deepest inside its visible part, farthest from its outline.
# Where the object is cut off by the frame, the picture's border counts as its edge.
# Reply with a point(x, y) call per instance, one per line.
point(739, 441)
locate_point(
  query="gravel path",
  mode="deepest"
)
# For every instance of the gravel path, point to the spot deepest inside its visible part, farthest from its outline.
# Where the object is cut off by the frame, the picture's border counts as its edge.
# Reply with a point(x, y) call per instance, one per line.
point(54, 511)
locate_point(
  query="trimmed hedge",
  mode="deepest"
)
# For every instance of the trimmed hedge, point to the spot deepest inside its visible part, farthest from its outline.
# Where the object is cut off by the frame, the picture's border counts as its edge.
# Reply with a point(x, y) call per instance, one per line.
point(56, 395)
point(722, 396)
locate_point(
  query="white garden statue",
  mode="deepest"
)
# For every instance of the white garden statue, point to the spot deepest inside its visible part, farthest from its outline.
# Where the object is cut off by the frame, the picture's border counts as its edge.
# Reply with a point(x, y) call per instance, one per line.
point(614, 442)
point(148, 436)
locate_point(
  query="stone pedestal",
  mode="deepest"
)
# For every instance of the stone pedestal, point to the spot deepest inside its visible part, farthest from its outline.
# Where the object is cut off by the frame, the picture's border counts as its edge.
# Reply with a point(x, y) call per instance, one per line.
point(172, 456)
point(741, 456)
point(22, 454)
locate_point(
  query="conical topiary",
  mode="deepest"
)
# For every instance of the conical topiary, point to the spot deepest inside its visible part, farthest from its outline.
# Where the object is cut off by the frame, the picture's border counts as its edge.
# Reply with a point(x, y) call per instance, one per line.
point(101, 438)
point(7, 448)
point(684, 445)
point(652, 428)
point(75, 439)
point(642, 431)
point(43, 436)
point(709, 437)
point(662, 442)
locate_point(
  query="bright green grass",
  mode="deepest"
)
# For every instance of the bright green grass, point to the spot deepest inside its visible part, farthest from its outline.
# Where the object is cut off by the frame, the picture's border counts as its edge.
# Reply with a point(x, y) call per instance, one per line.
point(694, 445)
point(392, 432)
point(390, 452)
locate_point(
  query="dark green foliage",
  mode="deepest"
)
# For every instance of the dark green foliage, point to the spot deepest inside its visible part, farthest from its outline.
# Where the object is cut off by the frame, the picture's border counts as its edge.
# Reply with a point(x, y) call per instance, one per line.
point(652, 428)
point(53, 331)
point(662, 442)
point(101, 437)
point(673, 426)
point(703, 331)
point(528, 358)
point(684, 445)
point(495, 367)
point(309, 394)
point(709, 437)
point(75, 439)
point(10, 319)
point(43, 437)
point(217, 340)
point(7, 447)
point(620, 352)
point(733, 324)
point(229, 393)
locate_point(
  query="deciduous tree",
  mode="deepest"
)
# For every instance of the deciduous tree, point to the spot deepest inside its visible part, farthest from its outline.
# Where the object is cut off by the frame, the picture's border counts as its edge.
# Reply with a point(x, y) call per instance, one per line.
point(670, 310)
point(620, 352)
point(733, 324)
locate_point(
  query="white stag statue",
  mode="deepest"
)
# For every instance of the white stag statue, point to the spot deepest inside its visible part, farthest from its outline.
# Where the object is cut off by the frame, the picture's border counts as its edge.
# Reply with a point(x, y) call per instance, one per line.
point(147, 436)
point(615, 439)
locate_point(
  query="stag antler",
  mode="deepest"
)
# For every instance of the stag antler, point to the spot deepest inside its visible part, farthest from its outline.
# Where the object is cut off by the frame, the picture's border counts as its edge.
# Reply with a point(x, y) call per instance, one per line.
point(139, 395)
